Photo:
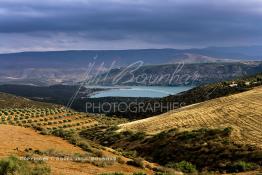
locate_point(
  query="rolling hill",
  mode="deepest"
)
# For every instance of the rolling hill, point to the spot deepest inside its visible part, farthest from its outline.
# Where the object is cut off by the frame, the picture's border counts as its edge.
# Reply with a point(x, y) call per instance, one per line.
point(23, 142)
point(12, 101)
point(34, 130)
point(241, 111)
point(28, 129)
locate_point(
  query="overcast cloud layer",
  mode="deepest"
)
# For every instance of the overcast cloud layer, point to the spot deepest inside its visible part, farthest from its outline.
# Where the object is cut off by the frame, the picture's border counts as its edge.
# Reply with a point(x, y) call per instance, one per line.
point(123, 24)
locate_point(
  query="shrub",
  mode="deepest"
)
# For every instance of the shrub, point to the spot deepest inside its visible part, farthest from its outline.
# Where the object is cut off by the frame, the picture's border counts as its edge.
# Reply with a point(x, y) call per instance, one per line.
point(161, 173)
point(242, 166)
point(103, 163)
point(44, 132)
point(12, 165)
point(139, 173)
point(98, 153)
point(41, 169)
point(137, 136)
point(54, 153)
point(85, 146)
point(39, 152)
point(129, 154)
point(112, 173)
point(120, 160)
point(183, 166)
point(137, 162)
point(15, 166)
point(12, 122)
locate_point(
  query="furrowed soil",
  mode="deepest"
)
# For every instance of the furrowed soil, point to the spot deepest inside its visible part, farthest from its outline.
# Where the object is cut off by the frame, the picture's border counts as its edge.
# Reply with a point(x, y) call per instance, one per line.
point(242, 112)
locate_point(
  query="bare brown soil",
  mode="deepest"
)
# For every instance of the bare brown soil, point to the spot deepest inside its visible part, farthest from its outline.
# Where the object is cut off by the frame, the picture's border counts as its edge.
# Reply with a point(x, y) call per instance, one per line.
point(15, 139)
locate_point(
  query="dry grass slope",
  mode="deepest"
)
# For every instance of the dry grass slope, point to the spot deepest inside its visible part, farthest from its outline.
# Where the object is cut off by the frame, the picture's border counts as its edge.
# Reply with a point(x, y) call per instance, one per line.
point(15, 139)
point(242, 111)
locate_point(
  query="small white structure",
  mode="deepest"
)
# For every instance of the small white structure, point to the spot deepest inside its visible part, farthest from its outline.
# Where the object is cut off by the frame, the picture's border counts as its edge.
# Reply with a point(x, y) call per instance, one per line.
point(247, 83)
point(233, 84)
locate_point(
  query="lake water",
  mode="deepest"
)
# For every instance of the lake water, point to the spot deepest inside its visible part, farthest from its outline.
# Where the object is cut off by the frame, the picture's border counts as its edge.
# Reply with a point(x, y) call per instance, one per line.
point(141, 91)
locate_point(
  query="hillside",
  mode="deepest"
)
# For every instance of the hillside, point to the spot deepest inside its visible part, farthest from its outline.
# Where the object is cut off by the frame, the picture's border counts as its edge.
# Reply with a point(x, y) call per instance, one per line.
point(23, 142)
point(11, 101)
point(87, 136)
point(36, 130)
point(241, 111)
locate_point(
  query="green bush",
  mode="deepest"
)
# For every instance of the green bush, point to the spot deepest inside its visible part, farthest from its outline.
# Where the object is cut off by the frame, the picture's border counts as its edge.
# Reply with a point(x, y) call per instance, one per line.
point(15, 166)
point(44, 132)
point(137, 136)
point(41, 169)
point(161, 173)
point(85, 146)
point(183, 166)
point(129, 154)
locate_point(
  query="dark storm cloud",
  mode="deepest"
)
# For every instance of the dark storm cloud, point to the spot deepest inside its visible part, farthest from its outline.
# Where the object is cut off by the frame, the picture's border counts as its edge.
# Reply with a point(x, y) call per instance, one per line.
point(159, 22)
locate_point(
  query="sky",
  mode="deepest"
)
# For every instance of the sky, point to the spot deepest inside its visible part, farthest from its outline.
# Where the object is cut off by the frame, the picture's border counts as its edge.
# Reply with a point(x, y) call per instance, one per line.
point(31, 25)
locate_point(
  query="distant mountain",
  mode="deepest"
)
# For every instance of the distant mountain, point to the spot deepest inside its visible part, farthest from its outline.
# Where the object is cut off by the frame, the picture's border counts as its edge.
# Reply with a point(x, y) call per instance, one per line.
point(242, 53)
point(122, 57)
point(69, 59)
point(177, 74)
point(70, 67)
point(190, 58)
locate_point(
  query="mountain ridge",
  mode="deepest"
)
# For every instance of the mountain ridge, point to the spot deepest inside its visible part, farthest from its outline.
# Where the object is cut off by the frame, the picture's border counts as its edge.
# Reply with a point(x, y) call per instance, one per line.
point(146, 55)
point(70, 67)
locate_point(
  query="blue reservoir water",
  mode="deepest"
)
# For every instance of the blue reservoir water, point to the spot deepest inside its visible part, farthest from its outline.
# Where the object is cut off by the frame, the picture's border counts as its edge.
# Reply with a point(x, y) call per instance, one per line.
point(141, 91)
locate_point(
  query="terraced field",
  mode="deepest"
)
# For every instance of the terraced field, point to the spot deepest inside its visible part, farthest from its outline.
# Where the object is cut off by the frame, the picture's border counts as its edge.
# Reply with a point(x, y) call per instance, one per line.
point(243, 112)
point(46, 119)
